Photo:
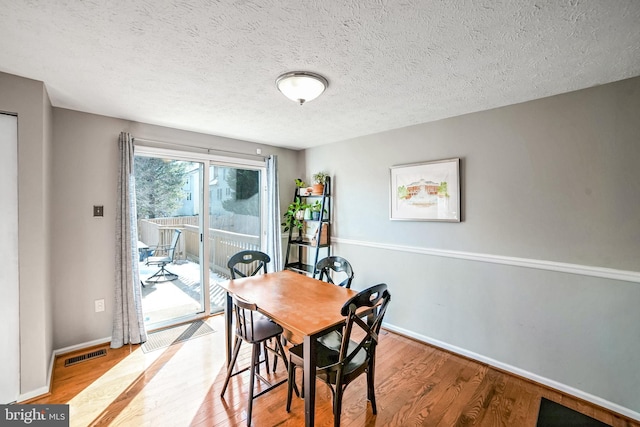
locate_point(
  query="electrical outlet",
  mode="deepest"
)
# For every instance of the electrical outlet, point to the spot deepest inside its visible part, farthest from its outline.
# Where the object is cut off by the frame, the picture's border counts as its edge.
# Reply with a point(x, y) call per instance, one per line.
point(99, 303)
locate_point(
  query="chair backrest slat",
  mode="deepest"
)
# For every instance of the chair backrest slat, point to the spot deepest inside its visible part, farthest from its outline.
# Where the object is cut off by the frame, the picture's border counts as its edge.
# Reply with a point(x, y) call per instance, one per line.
point(244, 317)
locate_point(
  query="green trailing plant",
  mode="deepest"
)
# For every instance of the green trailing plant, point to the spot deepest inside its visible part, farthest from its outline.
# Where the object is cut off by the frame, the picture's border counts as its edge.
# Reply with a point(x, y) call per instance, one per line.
point(316, 206)
point(300, 183)
point(290, 216)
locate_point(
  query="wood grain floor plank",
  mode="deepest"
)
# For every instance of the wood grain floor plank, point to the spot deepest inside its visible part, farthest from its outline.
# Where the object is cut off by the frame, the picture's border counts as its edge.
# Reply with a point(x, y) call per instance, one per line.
point(416, 385)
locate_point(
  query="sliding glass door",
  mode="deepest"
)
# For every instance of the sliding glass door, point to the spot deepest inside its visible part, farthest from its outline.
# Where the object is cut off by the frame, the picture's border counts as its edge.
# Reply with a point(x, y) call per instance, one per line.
point(235, 218)
point(172, 191)
point(168, 203)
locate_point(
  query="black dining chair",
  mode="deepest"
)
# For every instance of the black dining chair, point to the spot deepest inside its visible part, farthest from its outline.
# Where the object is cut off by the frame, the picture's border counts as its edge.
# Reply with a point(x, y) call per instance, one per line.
point(329, 266)
point(338, 367)
point(249, 263)
point(253, 328)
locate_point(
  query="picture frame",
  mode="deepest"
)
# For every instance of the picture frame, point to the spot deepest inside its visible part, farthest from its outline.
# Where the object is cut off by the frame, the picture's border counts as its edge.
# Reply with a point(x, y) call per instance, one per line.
point(427, 191)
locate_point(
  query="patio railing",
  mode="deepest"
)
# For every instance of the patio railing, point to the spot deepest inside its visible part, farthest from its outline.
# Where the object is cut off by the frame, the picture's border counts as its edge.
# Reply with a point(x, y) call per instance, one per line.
point(223, 244)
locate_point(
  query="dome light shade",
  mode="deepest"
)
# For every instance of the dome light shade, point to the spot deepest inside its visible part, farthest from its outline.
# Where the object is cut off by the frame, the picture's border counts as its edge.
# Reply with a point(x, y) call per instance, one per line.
point(301, 86)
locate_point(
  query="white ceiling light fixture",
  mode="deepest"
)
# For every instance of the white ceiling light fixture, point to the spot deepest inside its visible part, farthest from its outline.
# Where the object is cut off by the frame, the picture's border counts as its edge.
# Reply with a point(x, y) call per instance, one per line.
point(301, 86)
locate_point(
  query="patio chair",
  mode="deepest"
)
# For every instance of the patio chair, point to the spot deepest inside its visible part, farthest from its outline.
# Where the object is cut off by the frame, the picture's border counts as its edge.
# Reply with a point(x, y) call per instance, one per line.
point(339, 367)
point(335, 264)
point(254, 329)
point(163, 275)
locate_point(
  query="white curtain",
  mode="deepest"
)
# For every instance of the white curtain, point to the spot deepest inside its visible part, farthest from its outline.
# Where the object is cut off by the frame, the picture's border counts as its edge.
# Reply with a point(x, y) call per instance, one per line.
point(128, 320)
point(274, 234)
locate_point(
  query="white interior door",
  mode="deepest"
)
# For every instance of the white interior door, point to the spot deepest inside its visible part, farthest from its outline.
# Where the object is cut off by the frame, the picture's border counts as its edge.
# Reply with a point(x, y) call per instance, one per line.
point(9, 286)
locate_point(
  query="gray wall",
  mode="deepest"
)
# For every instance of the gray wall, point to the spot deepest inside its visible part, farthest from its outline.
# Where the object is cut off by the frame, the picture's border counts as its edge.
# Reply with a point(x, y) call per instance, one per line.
point(85, 174)
point(29, 100)
point(550, 211)
point(550, 194)
point(67, 162)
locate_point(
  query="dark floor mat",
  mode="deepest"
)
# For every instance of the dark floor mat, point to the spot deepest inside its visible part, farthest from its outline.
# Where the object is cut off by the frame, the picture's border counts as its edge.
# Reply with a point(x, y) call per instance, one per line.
point(553, 414)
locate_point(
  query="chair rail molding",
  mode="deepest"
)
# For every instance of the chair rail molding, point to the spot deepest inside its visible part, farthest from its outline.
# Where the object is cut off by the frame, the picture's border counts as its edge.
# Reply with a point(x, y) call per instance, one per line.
point(584, 270)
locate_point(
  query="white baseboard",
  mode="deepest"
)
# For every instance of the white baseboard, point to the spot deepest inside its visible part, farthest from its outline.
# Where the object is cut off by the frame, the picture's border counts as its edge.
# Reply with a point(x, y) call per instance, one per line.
point(81, 346)
point(35, 393)
point(520, 372)
point(32, 394)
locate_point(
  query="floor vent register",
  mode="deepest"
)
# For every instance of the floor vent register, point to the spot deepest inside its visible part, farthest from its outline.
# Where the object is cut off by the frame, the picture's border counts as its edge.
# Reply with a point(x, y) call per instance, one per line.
point(84, 357)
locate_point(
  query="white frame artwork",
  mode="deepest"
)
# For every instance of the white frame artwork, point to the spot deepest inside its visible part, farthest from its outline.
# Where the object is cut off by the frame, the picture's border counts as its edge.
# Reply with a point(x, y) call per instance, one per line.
point(428, 191)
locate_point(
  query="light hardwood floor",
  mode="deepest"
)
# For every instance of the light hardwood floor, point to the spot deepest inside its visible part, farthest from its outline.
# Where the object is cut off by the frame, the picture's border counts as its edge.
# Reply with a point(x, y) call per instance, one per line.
point(416, 385)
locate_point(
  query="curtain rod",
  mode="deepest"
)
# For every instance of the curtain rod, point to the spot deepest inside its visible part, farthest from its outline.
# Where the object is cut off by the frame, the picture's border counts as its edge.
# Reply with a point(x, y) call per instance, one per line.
point(208, 150)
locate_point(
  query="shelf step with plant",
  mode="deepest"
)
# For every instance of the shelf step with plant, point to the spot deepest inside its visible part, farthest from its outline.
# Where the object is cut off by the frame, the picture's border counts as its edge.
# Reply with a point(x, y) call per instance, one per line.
point(319, 179)
point(310, 214)
point(294, 216)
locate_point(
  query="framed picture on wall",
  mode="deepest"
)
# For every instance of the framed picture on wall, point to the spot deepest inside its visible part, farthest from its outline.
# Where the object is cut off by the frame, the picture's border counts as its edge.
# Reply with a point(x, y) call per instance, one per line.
point(428, 191)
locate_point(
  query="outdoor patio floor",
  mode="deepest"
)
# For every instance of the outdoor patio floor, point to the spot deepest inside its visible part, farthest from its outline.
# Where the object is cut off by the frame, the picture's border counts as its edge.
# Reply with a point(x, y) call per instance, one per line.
point(163, 301)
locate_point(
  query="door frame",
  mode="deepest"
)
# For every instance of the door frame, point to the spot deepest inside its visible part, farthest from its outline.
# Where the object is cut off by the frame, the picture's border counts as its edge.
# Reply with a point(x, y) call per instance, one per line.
point(209, 160)
point(10, 301)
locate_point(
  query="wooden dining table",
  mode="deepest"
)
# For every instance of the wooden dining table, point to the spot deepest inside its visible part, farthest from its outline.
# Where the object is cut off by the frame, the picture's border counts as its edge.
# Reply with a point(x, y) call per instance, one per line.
point(303, 305)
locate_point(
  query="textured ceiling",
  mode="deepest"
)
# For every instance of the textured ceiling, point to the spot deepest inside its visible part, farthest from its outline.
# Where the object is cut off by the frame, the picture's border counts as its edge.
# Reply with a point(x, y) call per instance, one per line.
point(210, 66)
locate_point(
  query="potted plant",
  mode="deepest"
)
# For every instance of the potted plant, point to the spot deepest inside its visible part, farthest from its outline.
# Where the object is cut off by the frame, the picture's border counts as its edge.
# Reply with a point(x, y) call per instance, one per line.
point(303, 189)
point(294, 216)
point(319, 180)
point(315, 210)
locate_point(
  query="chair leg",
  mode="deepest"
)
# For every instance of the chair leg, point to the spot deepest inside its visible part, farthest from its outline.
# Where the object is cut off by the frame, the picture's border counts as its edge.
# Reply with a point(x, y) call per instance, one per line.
point(266, 356)
point(275, 357)
point(291, 381)
point(371, 388)
point(255, 362)
point(337, 404)
point(287, 364)
point(163, 274)
point(280, 351)
point(236, 350)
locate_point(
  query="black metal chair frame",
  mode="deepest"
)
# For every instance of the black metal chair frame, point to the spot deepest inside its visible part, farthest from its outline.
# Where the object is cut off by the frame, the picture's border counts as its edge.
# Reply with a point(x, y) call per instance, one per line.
point(163, 275)
point(338, 367)
point(248, 257)
point(337, 264)
point(325, 267)
point(255, 330)
point(261, 259)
